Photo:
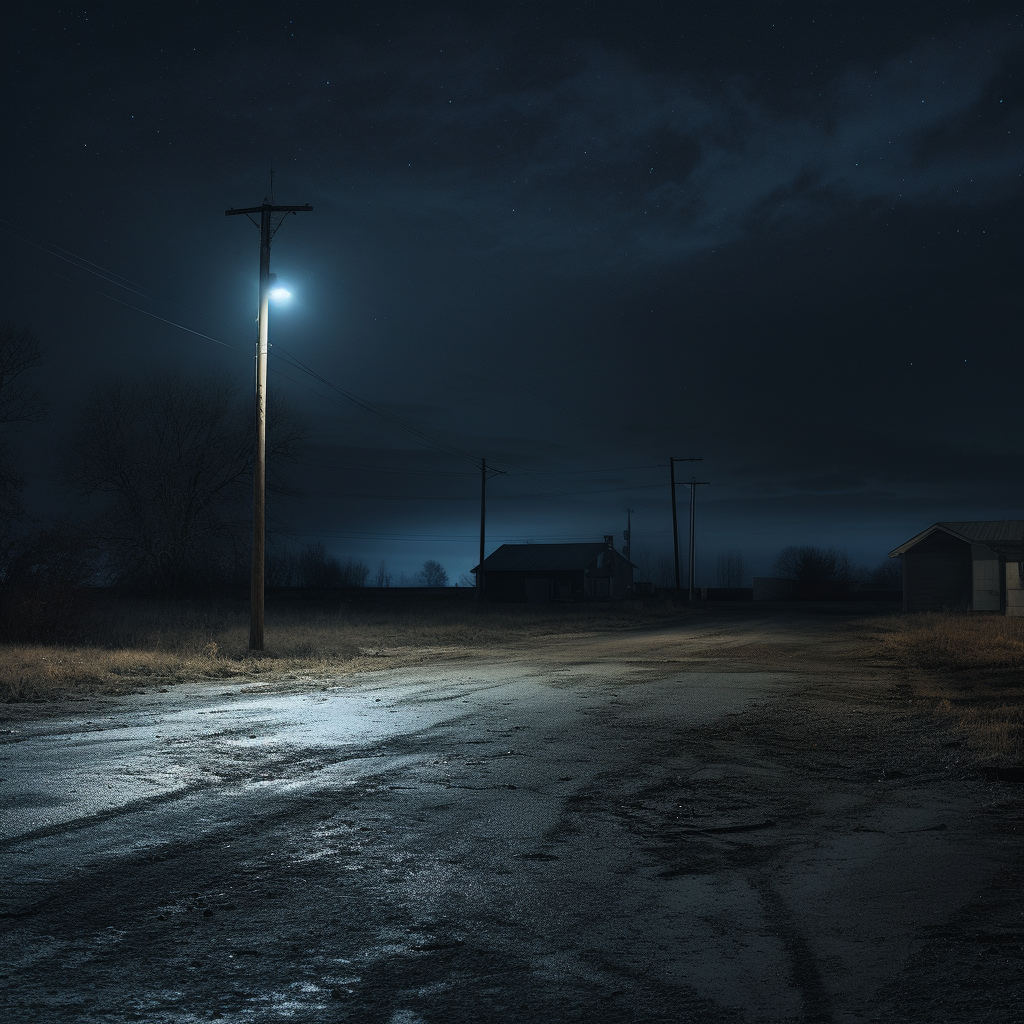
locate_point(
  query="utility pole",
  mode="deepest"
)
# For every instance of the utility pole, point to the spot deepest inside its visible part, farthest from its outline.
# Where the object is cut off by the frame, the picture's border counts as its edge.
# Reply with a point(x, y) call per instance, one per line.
point(483, 524)
point(259, 472)
point(483, 531)
point(628, 535)
point(675, 524)
point(693, 485)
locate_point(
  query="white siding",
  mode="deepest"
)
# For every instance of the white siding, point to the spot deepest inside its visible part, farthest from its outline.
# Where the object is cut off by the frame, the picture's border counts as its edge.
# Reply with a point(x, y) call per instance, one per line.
point(1014, 590)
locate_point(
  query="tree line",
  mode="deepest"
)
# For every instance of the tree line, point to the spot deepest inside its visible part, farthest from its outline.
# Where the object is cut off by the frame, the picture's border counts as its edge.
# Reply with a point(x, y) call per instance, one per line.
point(817, 572)
point(161, 467)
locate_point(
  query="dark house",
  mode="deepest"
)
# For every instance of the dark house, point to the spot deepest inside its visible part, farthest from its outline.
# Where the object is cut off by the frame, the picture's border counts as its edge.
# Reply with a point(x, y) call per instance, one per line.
point(556, 572)
point(965, 566)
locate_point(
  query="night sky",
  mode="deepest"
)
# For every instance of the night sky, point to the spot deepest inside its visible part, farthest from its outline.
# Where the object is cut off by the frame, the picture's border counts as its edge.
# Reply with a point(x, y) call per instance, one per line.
point(575, 239)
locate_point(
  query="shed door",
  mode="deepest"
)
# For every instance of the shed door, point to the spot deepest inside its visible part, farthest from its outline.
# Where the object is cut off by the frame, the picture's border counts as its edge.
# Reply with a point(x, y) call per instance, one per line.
point(985, 575)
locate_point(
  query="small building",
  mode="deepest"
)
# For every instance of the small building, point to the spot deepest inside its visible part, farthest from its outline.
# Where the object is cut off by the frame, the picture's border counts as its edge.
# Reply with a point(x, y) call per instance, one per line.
point(975, 566)
point(557, 572)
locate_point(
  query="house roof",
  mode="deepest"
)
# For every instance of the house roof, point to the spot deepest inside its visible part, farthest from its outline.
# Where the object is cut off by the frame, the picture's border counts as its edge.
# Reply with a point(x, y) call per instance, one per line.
point(1005, 536)
point(542, 557)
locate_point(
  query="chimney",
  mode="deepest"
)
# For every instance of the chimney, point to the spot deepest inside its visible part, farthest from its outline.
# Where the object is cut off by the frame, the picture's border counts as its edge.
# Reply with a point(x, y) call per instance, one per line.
point(609, 541)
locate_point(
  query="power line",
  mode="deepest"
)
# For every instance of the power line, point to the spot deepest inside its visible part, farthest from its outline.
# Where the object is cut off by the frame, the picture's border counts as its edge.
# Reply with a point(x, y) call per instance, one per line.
point(118, 280)
point(110, 276)
point(421, 435)
point(566, 472)
point(380, 469)
point(297, 363)
point(359, 535)
point(130, 305)
point(362, 403)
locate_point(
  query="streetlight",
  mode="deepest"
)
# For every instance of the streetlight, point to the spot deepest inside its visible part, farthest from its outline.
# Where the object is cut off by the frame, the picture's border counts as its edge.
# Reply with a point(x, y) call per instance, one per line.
point(259, 473)
point(278, 292)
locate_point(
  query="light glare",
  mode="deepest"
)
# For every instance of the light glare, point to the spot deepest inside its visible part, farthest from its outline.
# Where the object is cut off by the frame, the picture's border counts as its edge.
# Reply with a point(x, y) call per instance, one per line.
point(280, 294)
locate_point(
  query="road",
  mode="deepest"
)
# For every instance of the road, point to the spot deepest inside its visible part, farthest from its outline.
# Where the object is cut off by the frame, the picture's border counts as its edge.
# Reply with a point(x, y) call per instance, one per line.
point(595, 830)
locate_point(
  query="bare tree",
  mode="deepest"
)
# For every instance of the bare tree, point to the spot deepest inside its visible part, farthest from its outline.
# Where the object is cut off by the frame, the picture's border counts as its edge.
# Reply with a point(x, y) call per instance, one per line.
point(170, 458)
point(642, 560)
point(888, 575)
point(382, 578)
point(433, 574)
point(733, 570)
point(318, 569)
point(282, 566)
point(20, 352)
point(818, 572)
point(664, 574)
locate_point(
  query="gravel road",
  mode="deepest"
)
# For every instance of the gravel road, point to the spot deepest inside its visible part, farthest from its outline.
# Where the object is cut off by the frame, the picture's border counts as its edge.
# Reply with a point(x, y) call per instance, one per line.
point(632, 827)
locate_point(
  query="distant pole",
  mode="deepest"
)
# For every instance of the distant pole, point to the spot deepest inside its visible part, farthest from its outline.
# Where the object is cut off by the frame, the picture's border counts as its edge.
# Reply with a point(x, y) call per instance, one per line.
point(483, 525)
point(675, 523)
point(693, 508)
point(628, 536)
point(694, 484)
point(259, 472)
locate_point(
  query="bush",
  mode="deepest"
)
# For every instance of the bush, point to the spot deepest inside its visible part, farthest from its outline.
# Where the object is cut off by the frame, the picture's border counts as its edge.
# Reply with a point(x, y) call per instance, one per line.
point(819, 573)
point(313, 567)
point(43, 575)
point(888, 575)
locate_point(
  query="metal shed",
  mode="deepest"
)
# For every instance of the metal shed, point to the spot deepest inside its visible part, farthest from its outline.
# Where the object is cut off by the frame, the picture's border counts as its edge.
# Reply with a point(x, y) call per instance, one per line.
point(557, 572)
point(966, 566)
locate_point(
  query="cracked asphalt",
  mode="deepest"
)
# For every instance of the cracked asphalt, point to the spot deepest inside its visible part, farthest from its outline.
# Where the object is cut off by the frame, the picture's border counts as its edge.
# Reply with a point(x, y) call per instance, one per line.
point(601, 829)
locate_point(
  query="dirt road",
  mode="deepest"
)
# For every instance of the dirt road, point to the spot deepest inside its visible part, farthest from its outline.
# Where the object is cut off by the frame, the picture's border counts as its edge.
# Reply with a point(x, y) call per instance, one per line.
point(731, 820)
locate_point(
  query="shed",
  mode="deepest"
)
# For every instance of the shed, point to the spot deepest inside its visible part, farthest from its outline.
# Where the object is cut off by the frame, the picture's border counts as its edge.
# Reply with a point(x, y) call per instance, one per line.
point(557, 572)
point(969, 566)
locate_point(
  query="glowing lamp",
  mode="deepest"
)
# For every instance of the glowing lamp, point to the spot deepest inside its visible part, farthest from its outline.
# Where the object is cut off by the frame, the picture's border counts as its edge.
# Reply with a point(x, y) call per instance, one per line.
point(277, 292)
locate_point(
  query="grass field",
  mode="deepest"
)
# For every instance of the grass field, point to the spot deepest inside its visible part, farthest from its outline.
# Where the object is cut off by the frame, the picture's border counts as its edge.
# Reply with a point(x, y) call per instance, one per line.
point(971, 669)
point(135, 644)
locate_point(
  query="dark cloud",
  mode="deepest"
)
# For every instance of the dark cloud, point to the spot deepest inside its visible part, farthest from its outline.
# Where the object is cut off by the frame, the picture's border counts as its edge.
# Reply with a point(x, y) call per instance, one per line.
point(572, 242)
point(611, 163)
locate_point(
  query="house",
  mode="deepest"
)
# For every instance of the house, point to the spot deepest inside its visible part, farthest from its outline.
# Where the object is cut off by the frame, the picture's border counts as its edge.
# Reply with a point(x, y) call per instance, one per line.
point(965, 566)
point(556, 572)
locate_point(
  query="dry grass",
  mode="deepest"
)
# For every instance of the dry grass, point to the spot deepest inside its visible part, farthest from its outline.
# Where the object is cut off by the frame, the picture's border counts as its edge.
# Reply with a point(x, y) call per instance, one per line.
point(985, 649)
point(136, 644)
point(971, 667)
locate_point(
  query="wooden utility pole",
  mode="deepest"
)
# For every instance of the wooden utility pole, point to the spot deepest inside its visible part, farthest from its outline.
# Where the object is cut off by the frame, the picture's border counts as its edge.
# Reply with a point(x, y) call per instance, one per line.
point(259, 472)
point(483, 525)
point(675, 523)
point(483, 530)
point(693, 485)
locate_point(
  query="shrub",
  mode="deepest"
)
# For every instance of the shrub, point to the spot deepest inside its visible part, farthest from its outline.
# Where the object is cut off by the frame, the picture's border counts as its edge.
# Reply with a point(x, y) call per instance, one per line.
point(819, 573)
point(43, 575)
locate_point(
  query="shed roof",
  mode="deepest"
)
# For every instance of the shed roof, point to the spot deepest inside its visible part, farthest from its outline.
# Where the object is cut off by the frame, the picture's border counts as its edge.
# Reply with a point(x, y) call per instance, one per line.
point(1003, 535)
point(541, 557)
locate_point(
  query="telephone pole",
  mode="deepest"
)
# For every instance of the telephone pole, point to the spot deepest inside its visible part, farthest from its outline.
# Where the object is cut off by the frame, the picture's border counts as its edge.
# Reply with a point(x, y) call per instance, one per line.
point(483, 530)
point(628, 535)
point(259, 473)
point(693, 485)
point(675, 525)
point(483, 524)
